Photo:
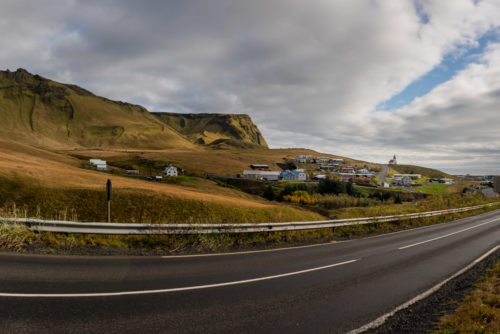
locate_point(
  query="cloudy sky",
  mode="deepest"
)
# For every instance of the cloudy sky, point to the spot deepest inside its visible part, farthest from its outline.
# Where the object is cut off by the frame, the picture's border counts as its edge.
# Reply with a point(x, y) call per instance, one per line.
point(360, 78)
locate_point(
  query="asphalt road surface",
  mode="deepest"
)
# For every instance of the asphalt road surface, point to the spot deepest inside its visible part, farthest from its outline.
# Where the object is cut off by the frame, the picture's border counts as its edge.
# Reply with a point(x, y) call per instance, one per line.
point(331, 288)
point(382, 174)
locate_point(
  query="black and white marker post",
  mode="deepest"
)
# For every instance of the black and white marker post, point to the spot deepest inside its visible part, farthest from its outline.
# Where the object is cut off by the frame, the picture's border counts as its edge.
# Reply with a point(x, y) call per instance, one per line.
point(109, 189)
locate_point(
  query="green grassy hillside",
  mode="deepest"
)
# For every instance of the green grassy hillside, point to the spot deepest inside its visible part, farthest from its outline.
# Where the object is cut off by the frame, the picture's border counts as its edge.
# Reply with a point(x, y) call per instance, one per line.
point(41, 112)
point(216, 129)
point(411, 169)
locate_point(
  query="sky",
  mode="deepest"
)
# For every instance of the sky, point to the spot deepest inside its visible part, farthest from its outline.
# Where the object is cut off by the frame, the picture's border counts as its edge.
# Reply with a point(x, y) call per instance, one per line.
point(359, 78)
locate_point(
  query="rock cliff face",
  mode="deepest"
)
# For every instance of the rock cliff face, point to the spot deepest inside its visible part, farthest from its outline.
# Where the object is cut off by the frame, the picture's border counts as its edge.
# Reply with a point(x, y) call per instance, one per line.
point(41, 112)
point(216, 129)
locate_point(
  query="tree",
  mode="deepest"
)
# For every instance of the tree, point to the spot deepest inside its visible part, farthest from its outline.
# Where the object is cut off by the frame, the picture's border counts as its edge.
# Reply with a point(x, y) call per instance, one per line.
point(349, 189)
point(268, 193)
point(397, 200)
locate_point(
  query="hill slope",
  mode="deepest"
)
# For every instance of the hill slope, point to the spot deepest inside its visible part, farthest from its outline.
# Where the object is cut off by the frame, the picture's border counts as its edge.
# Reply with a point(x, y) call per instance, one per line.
point(41, 112)
point(216, 129)
point(426, 172)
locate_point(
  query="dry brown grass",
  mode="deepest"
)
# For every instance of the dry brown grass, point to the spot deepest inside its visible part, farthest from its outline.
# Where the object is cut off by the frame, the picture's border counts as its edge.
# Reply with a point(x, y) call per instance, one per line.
point(58, 170)
point(214, 162)
point(480, 311)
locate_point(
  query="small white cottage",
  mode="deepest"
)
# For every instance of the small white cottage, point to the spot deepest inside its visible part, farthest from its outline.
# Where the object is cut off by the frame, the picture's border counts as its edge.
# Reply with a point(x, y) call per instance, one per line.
point(170, 171)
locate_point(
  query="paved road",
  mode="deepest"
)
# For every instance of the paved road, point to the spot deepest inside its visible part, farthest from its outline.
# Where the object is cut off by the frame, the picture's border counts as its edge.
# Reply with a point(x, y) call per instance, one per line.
point(327, 288)
point(382, 174)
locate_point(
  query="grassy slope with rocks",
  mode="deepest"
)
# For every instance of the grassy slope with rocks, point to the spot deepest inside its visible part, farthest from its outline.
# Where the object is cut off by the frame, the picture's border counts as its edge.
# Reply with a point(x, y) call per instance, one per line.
point(49, 114)
point(216, 129)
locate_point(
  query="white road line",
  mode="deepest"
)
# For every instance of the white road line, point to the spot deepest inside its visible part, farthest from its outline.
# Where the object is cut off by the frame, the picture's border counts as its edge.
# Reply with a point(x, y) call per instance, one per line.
point(380, 320)
point(449, 234)
point(315, 245)
point(143, 292)
point(249, 252)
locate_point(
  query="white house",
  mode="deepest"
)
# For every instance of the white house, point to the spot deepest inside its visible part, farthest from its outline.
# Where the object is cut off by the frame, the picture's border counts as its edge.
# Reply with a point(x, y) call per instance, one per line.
point(261, 175)
point(401, 180)
point(96, 162)
point(447, 180)
point(100, 164)
point(329, 168)
point(411, 176)
point(304, 158)
point(322, 160)
point(170, 171)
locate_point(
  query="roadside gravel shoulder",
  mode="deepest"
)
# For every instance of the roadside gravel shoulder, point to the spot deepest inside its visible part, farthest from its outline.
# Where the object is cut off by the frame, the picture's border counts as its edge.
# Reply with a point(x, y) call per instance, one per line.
point(423, 316)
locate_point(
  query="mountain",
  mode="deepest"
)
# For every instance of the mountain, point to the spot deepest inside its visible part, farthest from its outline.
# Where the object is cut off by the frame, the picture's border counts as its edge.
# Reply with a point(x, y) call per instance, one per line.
point(216, 130)
point(38, 111)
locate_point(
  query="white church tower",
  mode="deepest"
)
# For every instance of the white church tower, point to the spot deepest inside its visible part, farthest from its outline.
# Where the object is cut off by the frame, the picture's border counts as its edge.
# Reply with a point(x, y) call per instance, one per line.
point(393, 161)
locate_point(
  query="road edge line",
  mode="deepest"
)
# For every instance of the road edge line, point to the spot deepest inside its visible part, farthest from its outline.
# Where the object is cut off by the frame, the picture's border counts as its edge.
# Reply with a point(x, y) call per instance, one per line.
point(380, 320)
point(181, 256)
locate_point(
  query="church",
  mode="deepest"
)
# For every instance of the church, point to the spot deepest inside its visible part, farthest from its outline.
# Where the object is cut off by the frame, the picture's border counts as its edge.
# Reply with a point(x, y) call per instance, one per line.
point(393, 161)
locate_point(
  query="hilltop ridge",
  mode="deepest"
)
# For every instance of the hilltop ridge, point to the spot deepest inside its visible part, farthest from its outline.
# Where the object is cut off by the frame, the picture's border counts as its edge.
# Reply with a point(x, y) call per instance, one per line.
point(216, 129)
point(42, 112)
point(46, 113)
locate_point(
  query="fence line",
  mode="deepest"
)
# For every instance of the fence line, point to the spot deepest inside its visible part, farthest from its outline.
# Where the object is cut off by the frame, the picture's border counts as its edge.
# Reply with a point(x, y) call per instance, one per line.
point(60, 226)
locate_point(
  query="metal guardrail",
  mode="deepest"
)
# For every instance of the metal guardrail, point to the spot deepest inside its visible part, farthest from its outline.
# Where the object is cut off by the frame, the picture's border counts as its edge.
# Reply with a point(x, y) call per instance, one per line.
point(60, 226)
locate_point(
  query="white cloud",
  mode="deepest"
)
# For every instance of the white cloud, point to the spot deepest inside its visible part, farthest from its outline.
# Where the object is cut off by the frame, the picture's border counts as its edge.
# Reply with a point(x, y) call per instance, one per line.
point(310, 73)
point(458, 119)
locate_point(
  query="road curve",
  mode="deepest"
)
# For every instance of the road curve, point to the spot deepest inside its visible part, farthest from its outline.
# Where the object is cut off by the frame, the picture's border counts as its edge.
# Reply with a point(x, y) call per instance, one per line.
point(331, 288)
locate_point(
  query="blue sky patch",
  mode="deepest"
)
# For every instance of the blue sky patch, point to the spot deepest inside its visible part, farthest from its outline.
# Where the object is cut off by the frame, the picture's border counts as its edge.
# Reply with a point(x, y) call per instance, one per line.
point(451, 64)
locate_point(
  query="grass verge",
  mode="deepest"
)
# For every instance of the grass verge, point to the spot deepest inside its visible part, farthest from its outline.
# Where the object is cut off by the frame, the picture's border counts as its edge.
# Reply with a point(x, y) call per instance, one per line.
point(480, 311)
point(21, 239)
point(27, 199)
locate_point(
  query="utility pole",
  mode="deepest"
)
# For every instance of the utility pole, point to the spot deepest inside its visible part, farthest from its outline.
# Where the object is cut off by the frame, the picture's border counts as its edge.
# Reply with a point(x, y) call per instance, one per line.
point(109, 190)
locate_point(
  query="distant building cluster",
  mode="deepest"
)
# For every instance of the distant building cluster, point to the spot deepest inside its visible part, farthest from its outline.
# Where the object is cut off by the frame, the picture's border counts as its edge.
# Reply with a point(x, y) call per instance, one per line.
point(326, 167)
point(482, 178)
point(170, 170)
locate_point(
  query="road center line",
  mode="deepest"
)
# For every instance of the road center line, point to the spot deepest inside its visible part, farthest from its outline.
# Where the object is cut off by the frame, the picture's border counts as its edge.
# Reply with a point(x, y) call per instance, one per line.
point(449, 234)
point(197, 287)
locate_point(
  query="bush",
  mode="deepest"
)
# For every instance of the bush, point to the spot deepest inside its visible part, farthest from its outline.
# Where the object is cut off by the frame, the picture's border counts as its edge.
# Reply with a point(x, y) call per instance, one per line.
point(300, 197)
point(268, 193)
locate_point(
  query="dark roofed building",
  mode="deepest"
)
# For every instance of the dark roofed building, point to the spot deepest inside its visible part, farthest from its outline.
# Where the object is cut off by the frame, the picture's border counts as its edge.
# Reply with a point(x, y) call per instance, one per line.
point(259, 166)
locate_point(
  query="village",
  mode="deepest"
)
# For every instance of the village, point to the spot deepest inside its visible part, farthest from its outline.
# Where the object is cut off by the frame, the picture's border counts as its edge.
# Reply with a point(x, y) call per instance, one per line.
point(302, 168)
point(318, 168)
